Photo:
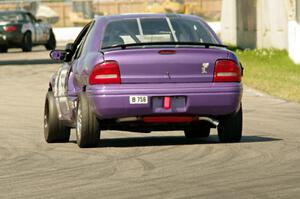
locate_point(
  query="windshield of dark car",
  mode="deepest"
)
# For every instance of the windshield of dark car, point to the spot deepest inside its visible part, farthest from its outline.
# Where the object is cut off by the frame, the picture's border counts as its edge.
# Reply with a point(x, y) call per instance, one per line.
point(147, 30)
point(12, 17)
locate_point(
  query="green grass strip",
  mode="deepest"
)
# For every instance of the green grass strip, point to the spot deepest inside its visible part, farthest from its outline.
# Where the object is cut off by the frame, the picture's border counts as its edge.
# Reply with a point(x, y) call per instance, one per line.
point(271, 71)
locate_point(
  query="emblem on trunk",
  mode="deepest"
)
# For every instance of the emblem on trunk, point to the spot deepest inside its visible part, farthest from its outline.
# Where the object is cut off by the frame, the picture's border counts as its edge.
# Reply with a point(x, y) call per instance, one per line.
point(168, 74)
point(204, 68)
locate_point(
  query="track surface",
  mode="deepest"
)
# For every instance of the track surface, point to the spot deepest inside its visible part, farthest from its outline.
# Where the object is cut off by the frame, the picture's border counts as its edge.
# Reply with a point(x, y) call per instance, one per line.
point(266, 164)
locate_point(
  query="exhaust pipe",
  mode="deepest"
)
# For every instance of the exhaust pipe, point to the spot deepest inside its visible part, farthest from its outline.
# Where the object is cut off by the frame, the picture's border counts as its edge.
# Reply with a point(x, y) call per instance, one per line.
point(210, 120)
point(128, 119)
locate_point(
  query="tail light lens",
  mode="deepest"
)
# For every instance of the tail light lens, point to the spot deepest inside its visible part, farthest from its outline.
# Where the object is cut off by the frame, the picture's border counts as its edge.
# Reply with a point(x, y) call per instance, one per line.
point(167, 52)
point(9, 28)
point(105, 73)
point(227, 71)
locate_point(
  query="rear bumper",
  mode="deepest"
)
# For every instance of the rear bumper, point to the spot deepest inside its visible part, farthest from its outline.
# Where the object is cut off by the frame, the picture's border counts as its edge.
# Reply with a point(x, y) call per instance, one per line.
point(11, 39)
point(209, 99)
point(3, 40)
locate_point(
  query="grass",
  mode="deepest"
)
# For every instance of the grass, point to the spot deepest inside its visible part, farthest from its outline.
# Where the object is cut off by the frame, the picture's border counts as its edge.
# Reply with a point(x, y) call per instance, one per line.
point(271, 71)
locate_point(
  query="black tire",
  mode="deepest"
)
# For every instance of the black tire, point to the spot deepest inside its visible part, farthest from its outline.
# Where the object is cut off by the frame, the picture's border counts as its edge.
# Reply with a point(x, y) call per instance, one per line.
point(197, 131)
point(87, 125)
point(230, 128)
point(27, 42)
point(3, 49)
point(54, 129)
point(51, 43)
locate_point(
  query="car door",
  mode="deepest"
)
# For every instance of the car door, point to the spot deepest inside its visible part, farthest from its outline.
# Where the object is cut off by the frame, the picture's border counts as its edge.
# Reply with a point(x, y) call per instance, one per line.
point(38, 29)
point(66, 89)
point(29, 26)
point(45, 29)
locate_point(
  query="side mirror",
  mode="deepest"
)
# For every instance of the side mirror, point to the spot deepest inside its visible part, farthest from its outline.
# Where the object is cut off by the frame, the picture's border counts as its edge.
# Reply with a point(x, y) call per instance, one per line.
point(69, 52)
point(69, 47)
point(58, 55)
point(39, 20)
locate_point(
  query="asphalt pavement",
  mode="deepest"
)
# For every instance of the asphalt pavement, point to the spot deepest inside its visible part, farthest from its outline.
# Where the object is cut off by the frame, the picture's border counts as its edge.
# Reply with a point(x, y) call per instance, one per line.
point(265, 164)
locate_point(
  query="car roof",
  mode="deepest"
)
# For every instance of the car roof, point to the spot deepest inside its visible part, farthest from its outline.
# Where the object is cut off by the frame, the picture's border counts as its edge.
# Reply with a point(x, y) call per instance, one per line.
point(146, 15)
point(14, 11)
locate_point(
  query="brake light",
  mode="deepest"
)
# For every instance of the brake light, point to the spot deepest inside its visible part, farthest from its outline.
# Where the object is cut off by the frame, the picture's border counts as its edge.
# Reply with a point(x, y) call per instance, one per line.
point(167, 102)
point(227, 71)
point(105, 73)
point(167, 52)
point(9, 28)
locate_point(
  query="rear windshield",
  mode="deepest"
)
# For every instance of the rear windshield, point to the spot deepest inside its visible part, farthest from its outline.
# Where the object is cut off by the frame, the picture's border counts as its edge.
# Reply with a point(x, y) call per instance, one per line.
point(147, 30)
point(12, 17)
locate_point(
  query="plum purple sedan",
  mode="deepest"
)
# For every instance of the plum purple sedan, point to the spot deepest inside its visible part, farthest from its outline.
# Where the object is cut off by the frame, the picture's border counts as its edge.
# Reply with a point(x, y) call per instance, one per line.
point(143, 73)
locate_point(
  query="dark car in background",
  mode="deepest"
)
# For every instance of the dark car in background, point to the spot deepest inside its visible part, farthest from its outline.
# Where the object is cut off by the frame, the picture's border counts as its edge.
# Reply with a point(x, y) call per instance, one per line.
point(20, 29)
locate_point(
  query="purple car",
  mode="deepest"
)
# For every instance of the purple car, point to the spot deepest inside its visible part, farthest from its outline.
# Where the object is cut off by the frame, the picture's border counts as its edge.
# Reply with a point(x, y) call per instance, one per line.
point(143, 73)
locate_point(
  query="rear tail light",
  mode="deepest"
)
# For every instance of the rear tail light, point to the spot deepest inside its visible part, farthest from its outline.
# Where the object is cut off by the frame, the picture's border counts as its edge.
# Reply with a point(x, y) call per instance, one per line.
point(167, 52)
point(227, 71)
point(105, 73)
point(9, 28)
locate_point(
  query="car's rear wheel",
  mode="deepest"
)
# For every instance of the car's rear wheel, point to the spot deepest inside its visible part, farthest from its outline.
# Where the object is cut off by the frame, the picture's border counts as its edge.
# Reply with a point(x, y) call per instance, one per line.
point(230, 128)
point(197, 131)
point(27, 42)
point(87, 125)
point(3, 49)
point(54, 129)
point(51, 43)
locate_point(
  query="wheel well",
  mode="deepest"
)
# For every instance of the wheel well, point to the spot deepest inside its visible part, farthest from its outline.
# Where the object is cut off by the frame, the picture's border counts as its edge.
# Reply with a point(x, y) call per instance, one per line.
point(27, 32)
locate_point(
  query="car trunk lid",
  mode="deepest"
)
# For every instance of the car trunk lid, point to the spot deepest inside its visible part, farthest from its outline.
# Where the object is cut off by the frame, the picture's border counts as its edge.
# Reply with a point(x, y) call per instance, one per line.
point(168, 65)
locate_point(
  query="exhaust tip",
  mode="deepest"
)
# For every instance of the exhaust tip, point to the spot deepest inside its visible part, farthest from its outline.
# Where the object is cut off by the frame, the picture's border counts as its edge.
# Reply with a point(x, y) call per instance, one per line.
point(210, 120)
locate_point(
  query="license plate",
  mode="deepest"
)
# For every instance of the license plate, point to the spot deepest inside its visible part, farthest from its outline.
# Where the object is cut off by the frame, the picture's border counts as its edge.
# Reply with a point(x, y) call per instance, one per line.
point(138, 99)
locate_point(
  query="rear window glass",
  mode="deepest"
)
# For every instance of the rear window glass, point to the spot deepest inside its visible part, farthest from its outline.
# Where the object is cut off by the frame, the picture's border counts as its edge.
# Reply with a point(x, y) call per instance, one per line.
point(12, 17)
point(147, 30)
